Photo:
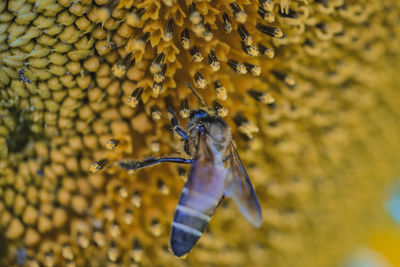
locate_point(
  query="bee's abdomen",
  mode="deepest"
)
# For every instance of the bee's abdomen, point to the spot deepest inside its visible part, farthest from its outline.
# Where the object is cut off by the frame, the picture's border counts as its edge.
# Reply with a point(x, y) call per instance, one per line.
point(188, 225)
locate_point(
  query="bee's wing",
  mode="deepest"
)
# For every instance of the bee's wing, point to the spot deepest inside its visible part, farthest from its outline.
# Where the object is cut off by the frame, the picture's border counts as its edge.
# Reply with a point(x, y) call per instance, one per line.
point(199, 198)
point(241, 190)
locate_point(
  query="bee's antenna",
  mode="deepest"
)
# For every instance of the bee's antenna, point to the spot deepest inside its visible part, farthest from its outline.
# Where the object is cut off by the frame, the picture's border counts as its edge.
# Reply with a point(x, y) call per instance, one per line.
point(203, 104)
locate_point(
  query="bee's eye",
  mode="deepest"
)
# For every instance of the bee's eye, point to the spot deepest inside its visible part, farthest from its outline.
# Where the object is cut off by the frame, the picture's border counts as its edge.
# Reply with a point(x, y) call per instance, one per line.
point(202, 129)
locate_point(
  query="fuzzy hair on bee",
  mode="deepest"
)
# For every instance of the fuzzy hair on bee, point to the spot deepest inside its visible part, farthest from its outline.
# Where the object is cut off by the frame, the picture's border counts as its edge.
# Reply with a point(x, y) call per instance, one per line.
point(216, 172)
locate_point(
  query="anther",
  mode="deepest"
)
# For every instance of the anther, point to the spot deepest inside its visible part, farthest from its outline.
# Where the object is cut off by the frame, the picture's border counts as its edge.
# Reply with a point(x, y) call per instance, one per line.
point(121, 191)
point(156, 228)
point(115, 229)
point(128, 216)
point(267, 4)
point(160, 76)
point(196, 55)
point(155, 146)
point(164, 190)
point(99, 238)
point(194, 15)
point(199, 28)
point(207, 34)
point(184, 110)
point(133, 18)
point(261, 96)
point(244, 35)
point(185, 39)
point(286, 78)
point(237, 66)
point(113, 252)
point(245, 126)
point(157, 64)
point(140, 42)
point(136, 253)
point(182, 173)
point(250, 50)
point(66, 251)
point(120, 68)
point(136, 199)
point(268, 52)
point(157, 87)
point(213, 61)
point(221, 110)
point(135, 97)
point(83, 241)
point(200, 81)
point(220, 91)
point(98, 165)
point(112, 144)
point(48, 259)
point(270, 30)
point(253, 69)
point(155, 113)
point(239, 14)
point(266, 15)
point(227, 23)
point(169, 30)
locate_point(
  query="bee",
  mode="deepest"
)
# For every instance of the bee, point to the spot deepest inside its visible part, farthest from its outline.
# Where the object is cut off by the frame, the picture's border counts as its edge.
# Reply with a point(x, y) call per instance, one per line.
point(216, 172)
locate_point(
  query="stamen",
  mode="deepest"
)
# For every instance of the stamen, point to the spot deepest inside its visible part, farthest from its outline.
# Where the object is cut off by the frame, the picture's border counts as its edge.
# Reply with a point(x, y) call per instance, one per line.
point(128, 216)
point(184, 110)
point(194, 15)
point(196, 55)
point(270, 30)
point(112, 144)
point(266, 15)
point(135, 97)
point(253, 69)
point(185, 39)
point(113, 252)
point(119, 69)
point(160, 76)
point(136, 199)
point(268, 52)
point(267, 4)
point(157, 87)
point(169, 30)
point(237, 66)
point(164, 190)
point(207, 34)
point(98, 165)
point(261, 96)
point(245, 126)
point(251, 50)
point(227, 23)
point(200, 81)
point(199, 28)
point(245, 36)
point(140, 43)
point(133, 18)
point(136, 252)
point(213, 61)
point(157, 64)
point(220, 91)
point(239, 14)
point(286, 78)
point(221, 111)
point(155, 113)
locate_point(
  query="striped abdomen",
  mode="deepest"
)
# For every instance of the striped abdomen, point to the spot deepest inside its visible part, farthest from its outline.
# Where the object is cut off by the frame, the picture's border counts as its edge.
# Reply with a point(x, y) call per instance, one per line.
point(191, 218)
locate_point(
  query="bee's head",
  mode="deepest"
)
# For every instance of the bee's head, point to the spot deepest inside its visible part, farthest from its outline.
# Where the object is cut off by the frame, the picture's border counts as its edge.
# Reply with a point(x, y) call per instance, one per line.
point(213, 126)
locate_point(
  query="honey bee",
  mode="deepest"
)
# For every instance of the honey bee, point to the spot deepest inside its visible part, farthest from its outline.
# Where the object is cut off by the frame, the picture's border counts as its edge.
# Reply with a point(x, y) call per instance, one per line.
point(216, 172)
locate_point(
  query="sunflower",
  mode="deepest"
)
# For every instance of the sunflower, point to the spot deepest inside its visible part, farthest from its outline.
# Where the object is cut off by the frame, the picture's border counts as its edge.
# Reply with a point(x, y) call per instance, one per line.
point(309, 89)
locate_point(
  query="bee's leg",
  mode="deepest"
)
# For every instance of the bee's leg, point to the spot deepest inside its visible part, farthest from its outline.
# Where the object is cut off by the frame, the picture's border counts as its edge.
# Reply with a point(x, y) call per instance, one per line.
point(134, 165)
point(176, 127)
